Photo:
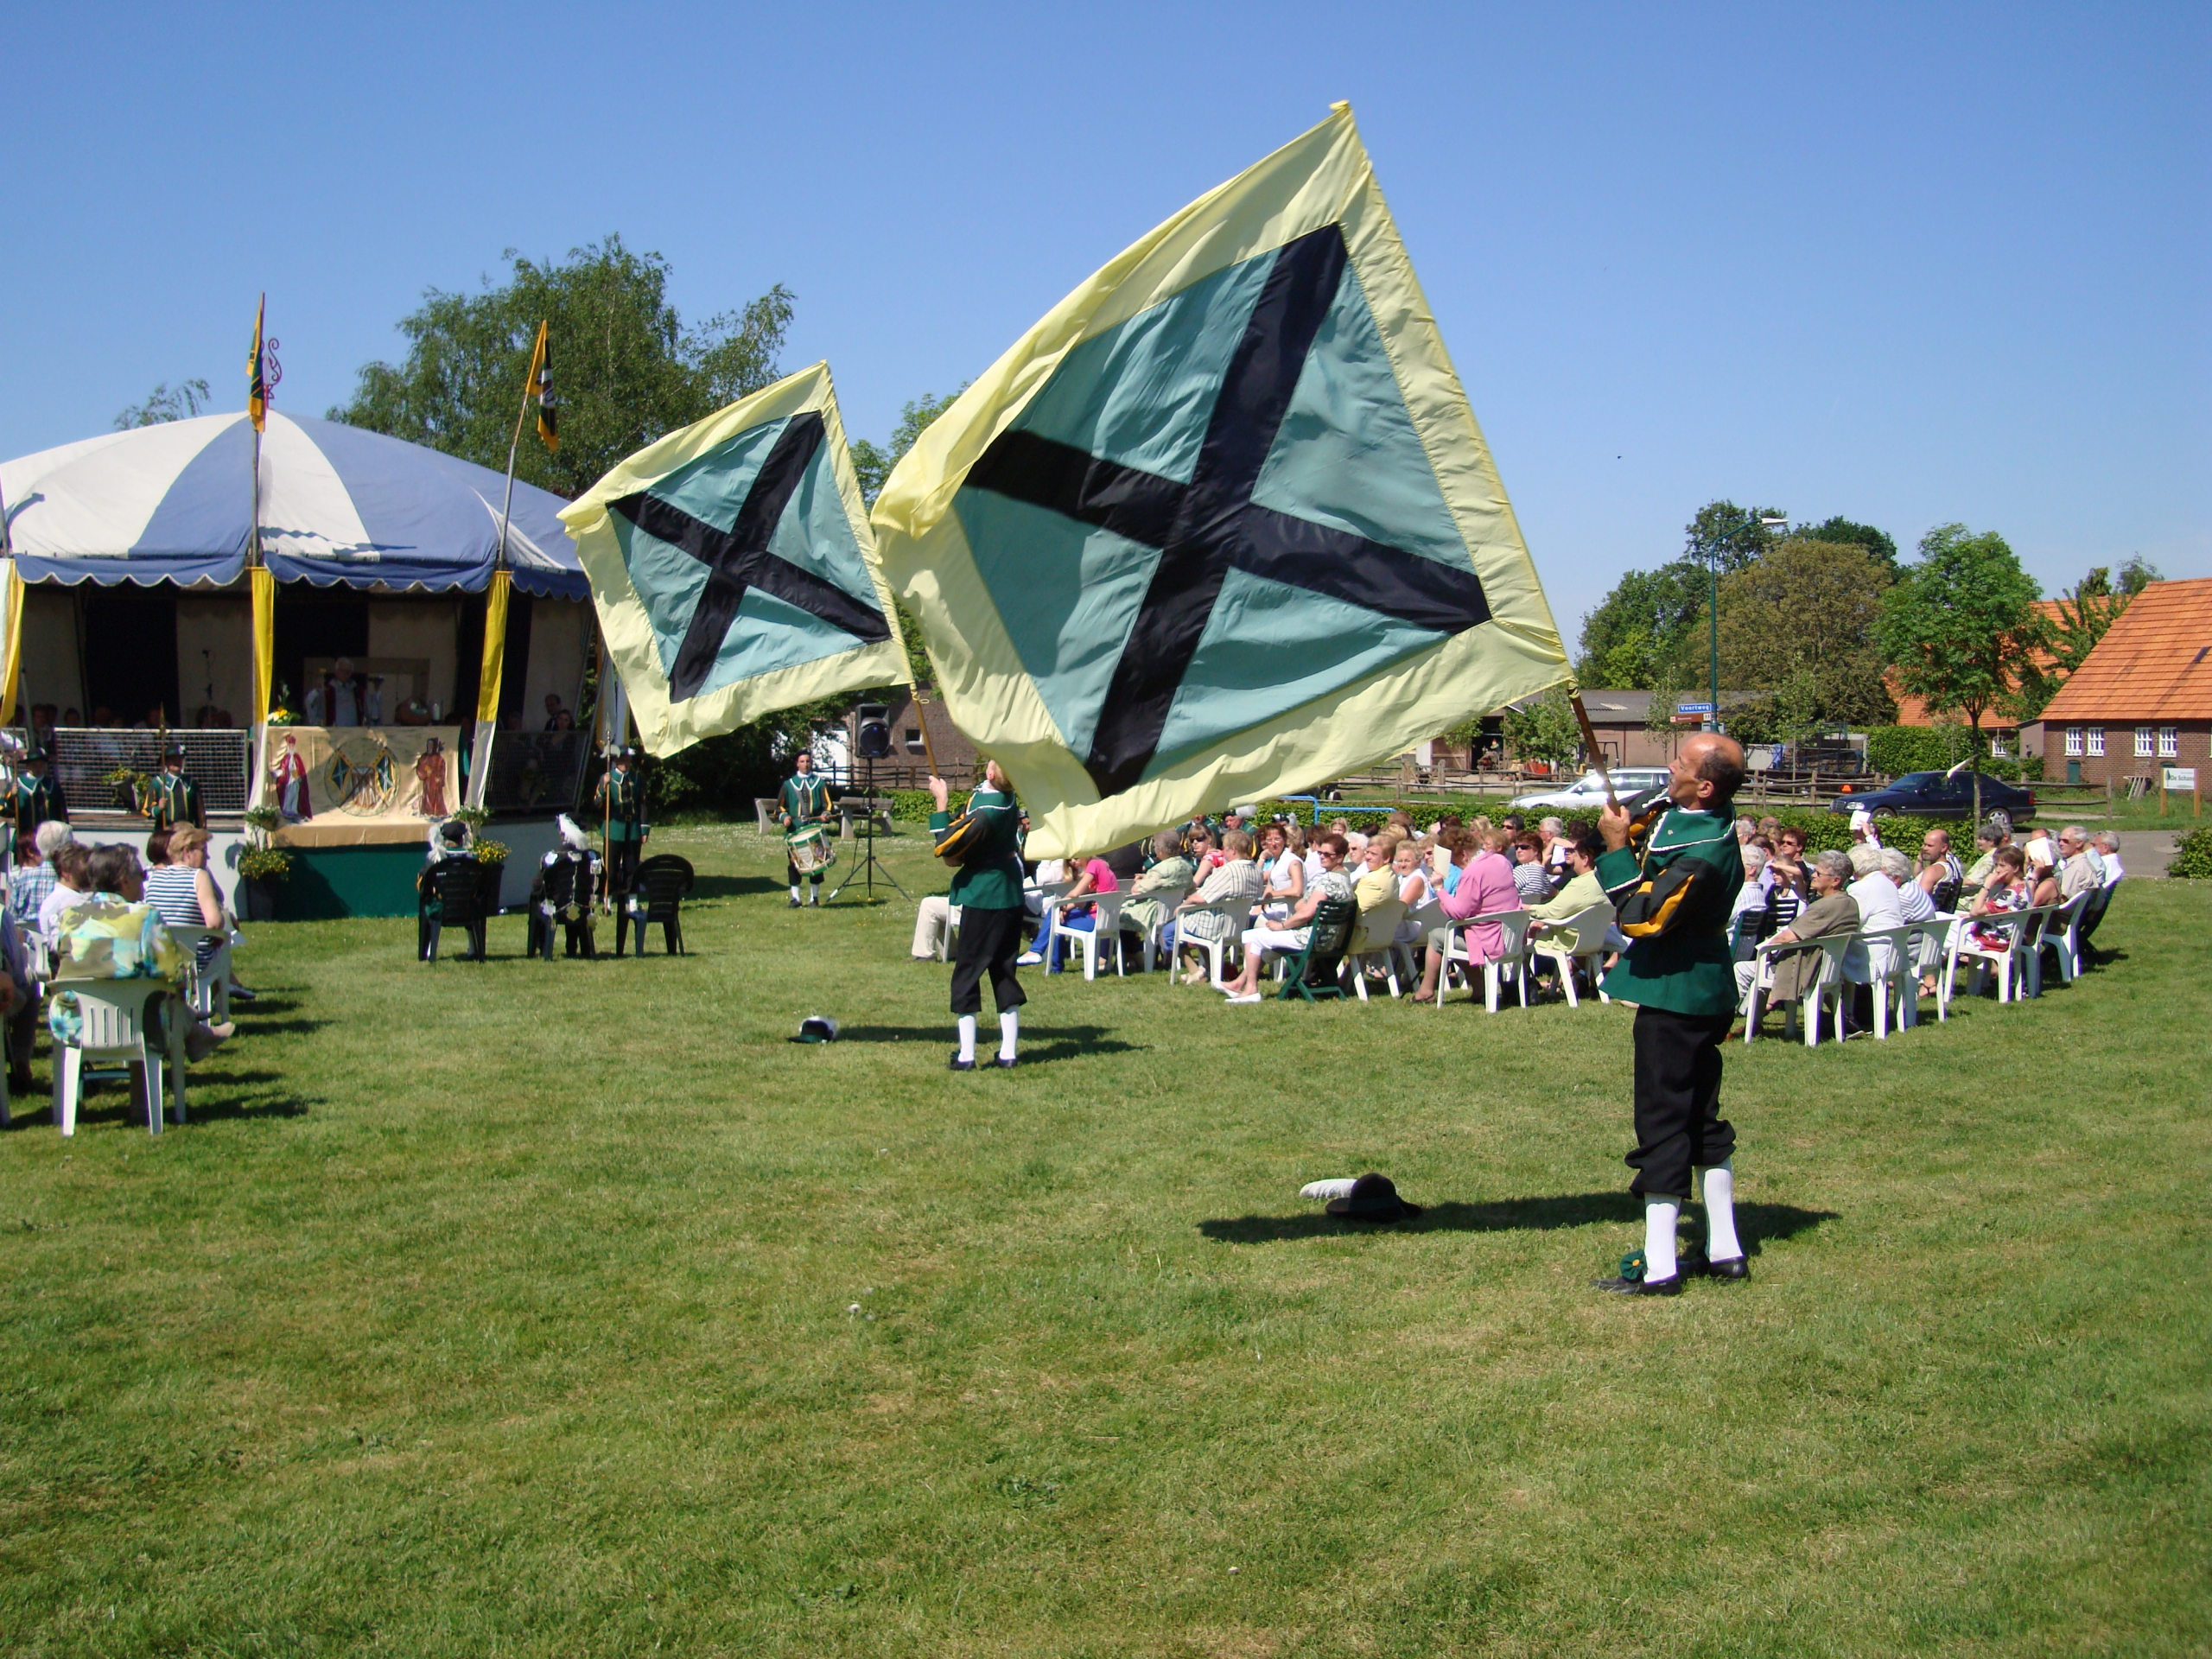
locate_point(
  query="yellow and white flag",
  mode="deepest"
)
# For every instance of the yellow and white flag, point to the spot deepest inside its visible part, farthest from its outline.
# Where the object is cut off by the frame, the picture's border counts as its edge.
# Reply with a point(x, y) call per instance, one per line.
point(734, 570)
point(1221, 526)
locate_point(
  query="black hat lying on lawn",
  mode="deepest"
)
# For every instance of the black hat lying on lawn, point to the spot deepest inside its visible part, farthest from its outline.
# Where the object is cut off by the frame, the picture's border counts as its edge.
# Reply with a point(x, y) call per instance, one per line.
point(1373, 1197)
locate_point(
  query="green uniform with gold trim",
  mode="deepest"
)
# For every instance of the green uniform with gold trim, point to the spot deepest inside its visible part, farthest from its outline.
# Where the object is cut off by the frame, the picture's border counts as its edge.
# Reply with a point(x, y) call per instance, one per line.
point(37, 800)
point(987, 888)
point(804, 799)
point(1683, 984)
point(174, 799)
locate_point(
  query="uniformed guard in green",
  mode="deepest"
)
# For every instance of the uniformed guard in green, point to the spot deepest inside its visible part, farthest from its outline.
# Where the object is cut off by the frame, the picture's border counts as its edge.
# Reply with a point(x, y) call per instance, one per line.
point(174, 799)
point(1673, 881)
point(621, 797)
point(37, 798)
point(804, 803)
point(987, 888)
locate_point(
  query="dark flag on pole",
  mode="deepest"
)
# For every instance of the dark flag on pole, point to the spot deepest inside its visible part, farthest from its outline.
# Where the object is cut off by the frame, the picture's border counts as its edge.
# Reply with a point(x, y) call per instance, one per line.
point(541, 379)
point(256, 388)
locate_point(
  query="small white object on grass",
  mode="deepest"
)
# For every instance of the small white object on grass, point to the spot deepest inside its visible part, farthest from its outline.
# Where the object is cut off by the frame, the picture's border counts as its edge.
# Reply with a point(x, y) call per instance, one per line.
point(1338, 1188)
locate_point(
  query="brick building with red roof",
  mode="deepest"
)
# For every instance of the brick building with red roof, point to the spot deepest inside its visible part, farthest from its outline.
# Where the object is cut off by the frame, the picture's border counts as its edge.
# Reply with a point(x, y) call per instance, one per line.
point(2143, 700)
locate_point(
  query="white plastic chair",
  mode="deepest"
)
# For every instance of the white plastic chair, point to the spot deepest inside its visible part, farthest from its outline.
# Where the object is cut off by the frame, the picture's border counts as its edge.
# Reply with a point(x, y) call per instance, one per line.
point(1894, 979)
point(1376, 934)
point(1105, 930)
point(2008, 960)
point(113, 1015)
point(1581, 938)
point(1510, 963)
point(2062, 932)
point(1235, 913)
point(952, 932)
point(207, 988)
point(1824, 991)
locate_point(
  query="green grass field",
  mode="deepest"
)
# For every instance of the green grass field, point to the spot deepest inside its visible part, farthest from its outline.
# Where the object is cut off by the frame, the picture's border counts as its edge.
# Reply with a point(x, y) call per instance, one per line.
point(526, 1309)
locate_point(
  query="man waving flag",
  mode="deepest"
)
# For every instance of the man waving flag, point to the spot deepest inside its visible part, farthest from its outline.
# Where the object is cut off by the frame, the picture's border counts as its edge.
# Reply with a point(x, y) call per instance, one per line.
point(734, 570)
point(1220, 525)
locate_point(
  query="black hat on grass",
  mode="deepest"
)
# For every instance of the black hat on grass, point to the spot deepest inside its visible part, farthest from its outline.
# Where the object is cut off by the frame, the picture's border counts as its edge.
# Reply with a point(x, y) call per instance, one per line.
point(1373, 1197)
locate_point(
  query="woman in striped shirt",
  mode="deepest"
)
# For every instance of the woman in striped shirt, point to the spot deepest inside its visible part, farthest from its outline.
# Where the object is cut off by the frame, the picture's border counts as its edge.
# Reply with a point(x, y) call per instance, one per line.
point(178, 885)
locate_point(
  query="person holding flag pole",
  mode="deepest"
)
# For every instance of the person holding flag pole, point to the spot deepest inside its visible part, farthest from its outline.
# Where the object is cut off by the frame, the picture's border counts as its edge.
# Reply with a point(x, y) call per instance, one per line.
point(262, 374)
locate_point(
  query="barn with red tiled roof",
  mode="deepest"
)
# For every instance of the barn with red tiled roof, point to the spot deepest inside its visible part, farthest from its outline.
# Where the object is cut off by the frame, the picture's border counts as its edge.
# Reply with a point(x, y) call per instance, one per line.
point(2143, 701)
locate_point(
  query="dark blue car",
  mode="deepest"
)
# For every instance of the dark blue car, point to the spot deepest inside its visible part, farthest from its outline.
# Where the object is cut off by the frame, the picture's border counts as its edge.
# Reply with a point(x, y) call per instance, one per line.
point(1939, 794)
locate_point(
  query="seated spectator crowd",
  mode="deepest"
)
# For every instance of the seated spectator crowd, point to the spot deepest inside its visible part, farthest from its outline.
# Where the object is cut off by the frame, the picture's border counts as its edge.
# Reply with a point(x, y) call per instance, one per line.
point(81, 912)
point(1208, 895)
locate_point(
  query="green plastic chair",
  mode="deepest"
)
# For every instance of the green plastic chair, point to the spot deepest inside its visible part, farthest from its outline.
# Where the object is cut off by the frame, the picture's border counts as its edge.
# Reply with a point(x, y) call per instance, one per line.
point(1314, 971)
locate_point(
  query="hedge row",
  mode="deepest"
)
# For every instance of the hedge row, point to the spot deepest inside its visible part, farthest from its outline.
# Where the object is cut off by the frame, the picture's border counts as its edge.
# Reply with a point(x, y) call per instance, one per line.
point(1895, 750)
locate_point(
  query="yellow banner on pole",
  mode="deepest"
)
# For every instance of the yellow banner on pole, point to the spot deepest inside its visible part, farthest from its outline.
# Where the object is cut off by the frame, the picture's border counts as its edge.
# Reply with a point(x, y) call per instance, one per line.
point(263, 583)
point(11, 656)
point(495, 648)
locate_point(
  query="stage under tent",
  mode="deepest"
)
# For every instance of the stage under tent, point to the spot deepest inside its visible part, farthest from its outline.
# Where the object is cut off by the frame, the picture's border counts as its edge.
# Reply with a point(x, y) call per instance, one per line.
point(132, 557)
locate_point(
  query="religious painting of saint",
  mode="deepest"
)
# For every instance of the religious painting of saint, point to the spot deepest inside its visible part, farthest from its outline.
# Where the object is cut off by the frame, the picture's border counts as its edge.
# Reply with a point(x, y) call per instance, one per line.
point(288, 772)
point(430, 772)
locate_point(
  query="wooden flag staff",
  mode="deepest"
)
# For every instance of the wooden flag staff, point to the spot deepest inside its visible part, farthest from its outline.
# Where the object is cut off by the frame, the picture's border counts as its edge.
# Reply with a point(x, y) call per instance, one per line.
point(1597, 754)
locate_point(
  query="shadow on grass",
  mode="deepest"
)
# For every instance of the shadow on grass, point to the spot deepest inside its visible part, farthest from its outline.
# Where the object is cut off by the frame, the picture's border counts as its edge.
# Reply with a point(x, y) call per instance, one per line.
point(1040, 1044)
point(1754, 1221)
point(251, 1023)
point(732, 887)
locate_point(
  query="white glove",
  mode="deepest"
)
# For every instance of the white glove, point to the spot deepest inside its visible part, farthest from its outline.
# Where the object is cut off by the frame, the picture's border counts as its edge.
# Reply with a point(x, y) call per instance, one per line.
point(1338, 1188)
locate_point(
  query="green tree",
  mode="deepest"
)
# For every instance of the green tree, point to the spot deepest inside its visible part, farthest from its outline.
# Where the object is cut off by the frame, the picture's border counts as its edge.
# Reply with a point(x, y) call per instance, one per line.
point(1733, 535)
point(1797, 629)
point(626, 369)
point(873, 464)
point(1844, 532)
point(1643, 629)
point(1543, 729)
point(2086, 613)
point(180, 403)
point(1961, 626)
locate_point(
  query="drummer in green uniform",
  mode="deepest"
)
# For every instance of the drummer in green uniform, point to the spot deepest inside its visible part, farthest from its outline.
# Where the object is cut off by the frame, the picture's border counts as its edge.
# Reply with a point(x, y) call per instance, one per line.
point(987, 888)
point(37, 797)
point(1673, 881)
point(804, 803)
point(174, 799)
point(621, 797)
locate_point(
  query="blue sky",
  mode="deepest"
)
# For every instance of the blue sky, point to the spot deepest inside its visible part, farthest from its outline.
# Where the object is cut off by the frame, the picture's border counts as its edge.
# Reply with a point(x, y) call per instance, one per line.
point(1907, 264)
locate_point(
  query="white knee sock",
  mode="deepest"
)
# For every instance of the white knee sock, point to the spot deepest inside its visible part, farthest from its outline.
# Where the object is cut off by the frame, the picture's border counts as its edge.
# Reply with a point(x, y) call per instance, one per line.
point(1009, 1029)
point(967, 1036)
point(794, 893)
point(1659, 1216)
point(1720, 1242)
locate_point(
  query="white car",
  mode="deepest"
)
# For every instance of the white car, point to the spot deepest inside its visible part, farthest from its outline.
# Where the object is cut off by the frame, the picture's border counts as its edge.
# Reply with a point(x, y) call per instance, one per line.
point(1589, 790)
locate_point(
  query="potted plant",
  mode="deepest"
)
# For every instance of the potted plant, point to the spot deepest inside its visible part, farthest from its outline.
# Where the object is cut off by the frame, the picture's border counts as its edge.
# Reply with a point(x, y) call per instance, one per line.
point(259, 868)
point(491, 865)
point(130, 789)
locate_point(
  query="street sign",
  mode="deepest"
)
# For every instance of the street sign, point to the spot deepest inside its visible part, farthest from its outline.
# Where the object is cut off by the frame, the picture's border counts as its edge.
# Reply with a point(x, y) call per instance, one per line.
point(2180, 778)
point(1693, 707)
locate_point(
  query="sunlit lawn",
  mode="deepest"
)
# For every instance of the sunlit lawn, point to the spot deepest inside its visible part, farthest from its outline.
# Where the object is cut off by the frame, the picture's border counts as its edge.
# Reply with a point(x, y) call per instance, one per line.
point(520, 1308)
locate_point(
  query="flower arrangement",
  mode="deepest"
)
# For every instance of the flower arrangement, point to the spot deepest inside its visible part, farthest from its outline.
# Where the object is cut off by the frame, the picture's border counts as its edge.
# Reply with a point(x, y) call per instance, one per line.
point(491, 852)
point(130, 789)
point(266, 864)
point(280, 707)
point(474, 816)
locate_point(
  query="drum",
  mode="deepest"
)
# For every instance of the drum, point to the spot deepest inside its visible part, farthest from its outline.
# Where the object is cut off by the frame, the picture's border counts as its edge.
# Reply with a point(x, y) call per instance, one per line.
point(812, 850)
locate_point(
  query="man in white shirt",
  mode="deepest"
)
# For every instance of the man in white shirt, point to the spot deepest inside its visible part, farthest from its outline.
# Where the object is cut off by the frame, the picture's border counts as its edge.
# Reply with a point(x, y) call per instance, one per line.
point(2078, 873)
point(2108, 847)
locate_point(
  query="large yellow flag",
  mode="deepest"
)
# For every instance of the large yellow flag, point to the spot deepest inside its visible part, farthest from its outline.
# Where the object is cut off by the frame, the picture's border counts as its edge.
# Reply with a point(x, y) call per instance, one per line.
point(1221, 526)
point(732, 568)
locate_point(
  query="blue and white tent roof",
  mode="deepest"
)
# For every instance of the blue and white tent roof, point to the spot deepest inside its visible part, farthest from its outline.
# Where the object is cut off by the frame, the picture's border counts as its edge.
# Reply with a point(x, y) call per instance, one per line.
point(339, 504)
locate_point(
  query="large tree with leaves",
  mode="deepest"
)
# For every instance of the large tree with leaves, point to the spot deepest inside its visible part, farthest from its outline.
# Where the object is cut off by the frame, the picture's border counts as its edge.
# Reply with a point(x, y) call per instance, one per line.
point(626, 368)
point(1648, 634)
point(1960, 625)
point(1845, 533)
point(1797, 628)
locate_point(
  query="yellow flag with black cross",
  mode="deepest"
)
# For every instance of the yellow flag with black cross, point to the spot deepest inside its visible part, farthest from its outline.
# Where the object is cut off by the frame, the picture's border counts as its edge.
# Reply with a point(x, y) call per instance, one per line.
point(732, 568)
point(1221, 526)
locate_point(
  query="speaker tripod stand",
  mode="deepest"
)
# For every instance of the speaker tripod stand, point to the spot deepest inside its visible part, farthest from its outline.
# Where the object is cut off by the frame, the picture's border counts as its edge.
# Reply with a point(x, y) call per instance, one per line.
point(870, 866)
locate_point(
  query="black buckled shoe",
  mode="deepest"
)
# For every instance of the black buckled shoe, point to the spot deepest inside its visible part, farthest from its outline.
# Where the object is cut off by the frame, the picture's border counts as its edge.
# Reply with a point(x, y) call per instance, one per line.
point(1695, 1266)
point(1003, 1063)
point(1672, 1287)
point(959, 1064)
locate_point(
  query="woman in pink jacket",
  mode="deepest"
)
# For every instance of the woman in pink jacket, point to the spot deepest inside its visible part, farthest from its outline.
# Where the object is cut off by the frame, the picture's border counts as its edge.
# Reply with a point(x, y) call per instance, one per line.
point(1485, 886)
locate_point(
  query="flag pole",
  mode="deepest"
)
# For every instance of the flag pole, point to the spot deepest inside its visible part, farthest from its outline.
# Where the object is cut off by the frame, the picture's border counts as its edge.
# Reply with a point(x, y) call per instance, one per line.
point(1597, 754)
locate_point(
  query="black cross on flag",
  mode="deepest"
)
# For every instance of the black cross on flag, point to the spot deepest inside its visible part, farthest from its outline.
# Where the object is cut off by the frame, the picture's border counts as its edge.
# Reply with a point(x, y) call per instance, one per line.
point(1204, 528)
point(738, 558)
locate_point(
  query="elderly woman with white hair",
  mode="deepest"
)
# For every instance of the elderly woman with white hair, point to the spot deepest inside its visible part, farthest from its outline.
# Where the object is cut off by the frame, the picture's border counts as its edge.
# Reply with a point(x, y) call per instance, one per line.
point(1880, 908)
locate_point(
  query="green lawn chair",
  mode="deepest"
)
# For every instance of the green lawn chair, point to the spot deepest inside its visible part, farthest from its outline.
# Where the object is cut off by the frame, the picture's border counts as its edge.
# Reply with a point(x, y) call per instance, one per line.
point(1313, 972)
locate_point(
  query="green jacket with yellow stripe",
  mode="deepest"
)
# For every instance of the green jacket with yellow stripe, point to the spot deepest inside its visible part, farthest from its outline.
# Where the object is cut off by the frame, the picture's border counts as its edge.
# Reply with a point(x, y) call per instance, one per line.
point(1687, 968)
